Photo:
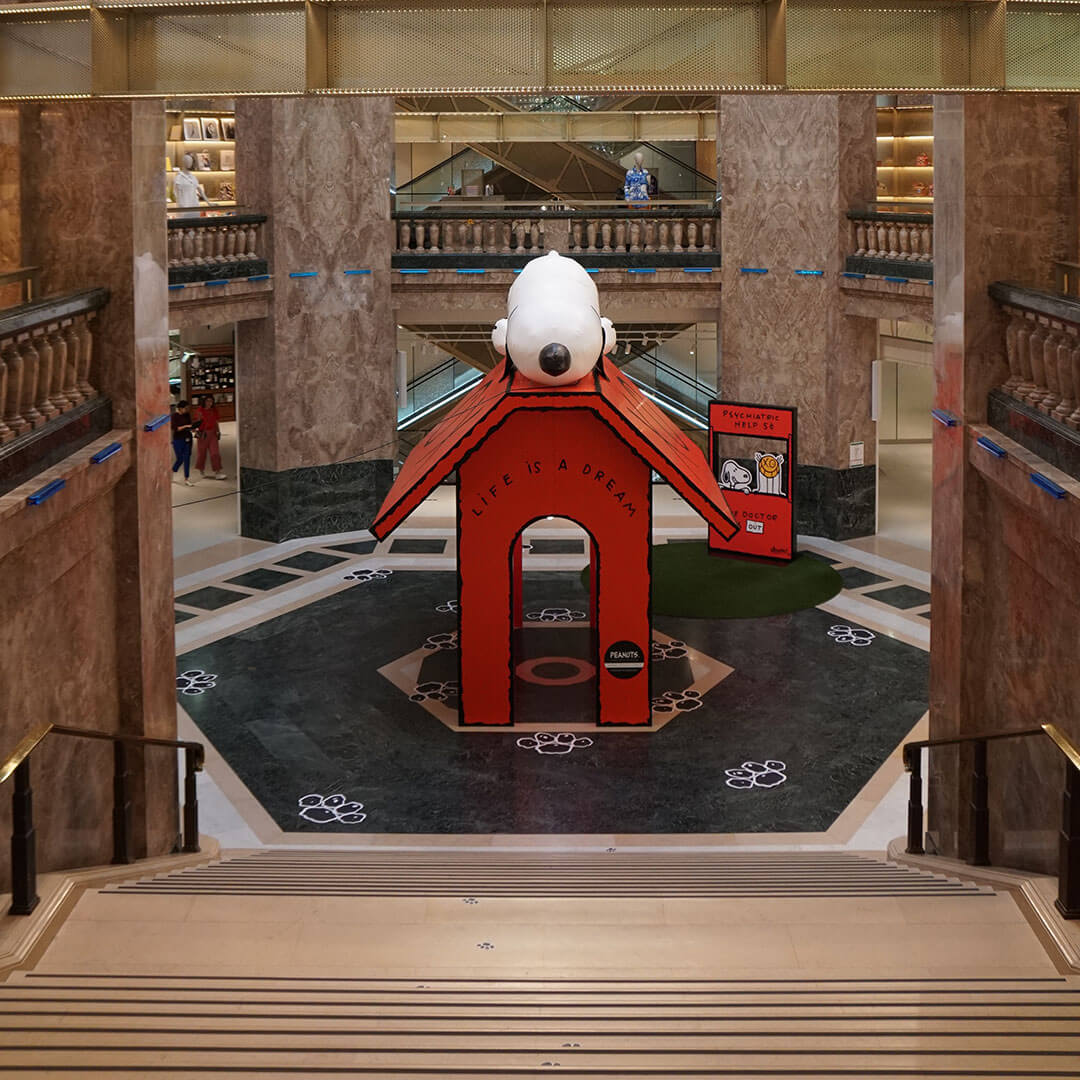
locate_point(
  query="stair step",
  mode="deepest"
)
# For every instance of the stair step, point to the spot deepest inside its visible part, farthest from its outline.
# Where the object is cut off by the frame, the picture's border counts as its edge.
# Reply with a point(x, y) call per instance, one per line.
point(277, 873)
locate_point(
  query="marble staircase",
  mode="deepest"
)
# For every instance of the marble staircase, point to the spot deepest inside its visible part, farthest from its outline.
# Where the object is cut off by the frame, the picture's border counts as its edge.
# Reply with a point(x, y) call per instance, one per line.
point(469, 963)
point(343, 873)
point(60, 1024)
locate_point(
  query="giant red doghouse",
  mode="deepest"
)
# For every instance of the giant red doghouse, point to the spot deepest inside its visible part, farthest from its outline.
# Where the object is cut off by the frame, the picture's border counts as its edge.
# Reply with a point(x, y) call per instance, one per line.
point(583, 450)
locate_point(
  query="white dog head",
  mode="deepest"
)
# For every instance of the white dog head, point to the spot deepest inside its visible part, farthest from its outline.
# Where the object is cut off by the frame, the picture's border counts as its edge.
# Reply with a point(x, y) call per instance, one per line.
point(553, 333)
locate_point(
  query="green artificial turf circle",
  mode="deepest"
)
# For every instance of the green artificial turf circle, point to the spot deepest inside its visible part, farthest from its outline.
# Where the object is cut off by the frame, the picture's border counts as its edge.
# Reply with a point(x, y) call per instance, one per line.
point(690, 582)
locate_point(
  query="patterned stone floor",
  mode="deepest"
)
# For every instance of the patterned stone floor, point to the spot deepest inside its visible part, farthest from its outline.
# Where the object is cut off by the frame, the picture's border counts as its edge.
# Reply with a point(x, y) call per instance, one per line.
point(324, 669)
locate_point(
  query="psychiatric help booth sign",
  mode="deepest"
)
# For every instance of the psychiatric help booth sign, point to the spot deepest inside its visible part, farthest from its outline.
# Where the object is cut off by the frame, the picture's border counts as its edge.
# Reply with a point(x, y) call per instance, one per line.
point(752, 454)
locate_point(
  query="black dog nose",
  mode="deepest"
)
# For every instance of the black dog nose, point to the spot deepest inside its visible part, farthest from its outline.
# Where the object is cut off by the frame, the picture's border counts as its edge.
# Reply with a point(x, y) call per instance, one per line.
point(555, 359)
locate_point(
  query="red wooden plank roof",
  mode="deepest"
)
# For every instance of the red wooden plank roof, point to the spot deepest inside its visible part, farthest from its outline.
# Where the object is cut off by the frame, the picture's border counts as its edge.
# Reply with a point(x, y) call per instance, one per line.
point(634, 418)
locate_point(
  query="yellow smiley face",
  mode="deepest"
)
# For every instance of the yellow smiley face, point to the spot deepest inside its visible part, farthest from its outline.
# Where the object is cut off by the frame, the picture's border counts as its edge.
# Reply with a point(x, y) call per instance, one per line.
point(769, 466)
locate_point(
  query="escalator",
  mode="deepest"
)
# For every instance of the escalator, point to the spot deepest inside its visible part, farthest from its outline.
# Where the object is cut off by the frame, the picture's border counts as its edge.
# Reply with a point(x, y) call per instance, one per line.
point(568, 171)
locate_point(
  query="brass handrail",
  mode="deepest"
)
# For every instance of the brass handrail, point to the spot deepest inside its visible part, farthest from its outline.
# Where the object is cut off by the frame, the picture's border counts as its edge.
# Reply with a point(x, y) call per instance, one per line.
point(24, 896)
point(1063, 743)
point(1068, 898)
point(22, 751)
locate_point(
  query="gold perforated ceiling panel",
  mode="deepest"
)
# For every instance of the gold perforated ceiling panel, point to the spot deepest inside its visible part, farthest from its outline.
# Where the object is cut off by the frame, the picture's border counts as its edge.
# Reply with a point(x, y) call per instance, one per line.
point(469, 47)
point(216, 50)
point(601, 46)
point(1042, 46)
point(920, 44)
point(46, 56)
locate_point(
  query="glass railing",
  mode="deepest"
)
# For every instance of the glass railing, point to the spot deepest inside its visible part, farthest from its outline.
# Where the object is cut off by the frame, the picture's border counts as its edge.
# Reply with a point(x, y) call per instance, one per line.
point(440, 386)
point(670, 387)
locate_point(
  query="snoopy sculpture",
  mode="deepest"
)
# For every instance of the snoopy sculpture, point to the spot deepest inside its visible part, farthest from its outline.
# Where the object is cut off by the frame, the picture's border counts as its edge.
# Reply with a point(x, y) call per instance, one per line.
point(553, 332)
point(556, 430)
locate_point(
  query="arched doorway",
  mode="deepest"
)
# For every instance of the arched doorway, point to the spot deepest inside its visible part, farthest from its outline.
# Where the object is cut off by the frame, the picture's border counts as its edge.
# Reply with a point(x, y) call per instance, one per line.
point(554, 644)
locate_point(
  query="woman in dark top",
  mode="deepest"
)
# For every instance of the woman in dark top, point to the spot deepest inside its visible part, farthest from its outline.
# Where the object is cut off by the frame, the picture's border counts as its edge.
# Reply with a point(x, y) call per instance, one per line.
point(182, 426)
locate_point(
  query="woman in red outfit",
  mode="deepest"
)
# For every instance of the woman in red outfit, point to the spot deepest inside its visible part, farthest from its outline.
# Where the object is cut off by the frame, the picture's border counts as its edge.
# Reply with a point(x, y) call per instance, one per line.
point(208, 436)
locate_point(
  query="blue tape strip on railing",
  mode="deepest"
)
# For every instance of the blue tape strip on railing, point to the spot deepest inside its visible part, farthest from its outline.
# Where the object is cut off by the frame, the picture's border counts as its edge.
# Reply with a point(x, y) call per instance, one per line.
point(259, 277)
point(519, 269)
point(412, 271)
point(640, 270)
point(157, 422)
point(930, 282)
point(219, 281)
point(897, 280)
point(1047, 485)
point(356, 273)
point(752, 270)
point(303, 273)
point(47, 492)
point(943, 416)
point(810, 273)
point(852, 274)
point(173, 288)
point(468, 271)
point(991, 447)
point(106, 453)
point(697, 269)
point(587, 271)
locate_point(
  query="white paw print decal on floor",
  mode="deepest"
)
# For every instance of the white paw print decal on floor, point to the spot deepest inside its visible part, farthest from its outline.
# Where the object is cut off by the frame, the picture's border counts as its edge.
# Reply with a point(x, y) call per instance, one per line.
point(434, 691)
point(668, 650)
point(366, 574)
point(554, 742)
point(754, 774)
point(324, 809)
point(195, 681)
point(448, 607)
point(677, 701)
point(441, 642)
point(555, 614)
point(851, 635)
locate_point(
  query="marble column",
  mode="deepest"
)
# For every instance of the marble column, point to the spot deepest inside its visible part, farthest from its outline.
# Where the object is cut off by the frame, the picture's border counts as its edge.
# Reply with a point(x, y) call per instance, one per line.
point(92, 208)
point(790, 168)
point(1004, 587)
point(315, 380)
point(10, 186)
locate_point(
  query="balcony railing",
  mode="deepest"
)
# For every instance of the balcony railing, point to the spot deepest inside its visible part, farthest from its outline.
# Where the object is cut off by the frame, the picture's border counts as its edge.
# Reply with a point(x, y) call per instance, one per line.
point(49, 404)
point(611, 233)
point(1042, 345)
point(215, 245)
point(887, 243)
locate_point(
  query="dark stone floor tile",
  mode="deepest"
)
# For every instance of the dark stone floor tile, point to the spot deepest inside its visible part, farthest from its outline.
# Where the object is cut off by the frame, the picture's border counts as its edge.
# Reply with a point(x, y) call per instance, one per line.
point(211, 598)
point(819, 557)
point(557, 547)
point(262, 578)
point(855, 578)
point(311, 560)
point(417, 547)
point(901, 596)
point(300, 707)
point(924, 615)
point(182, 616)
point(358, 547)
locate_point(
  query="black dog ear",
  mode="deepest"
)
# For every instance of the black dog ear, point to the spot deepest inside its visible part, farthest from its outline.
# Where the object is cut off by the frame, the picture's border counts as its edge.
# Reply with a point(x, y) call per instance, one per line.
point(508, 368)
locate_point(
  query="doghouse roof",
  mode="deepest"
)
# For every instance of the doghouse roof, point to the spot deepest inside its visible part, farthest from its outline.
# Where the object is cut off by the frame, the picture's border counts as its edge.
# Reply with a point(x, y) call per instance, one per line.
point(634, 418)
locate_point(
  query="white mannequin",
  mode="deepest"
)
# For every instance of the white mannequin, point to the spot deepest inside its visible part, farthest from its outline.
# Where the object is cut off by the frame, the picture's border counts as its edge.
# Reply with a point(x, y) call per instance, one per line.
point(187, 191)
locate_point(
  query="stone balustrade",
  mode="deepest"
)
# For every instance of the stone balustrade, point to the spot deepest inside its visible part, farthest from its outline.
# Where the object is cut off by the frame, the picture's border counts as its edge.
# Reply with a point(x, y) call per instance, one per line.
point(46, 360)
point(884, 242)
point(1042, 347)
point(203, 248)
point(578, 232)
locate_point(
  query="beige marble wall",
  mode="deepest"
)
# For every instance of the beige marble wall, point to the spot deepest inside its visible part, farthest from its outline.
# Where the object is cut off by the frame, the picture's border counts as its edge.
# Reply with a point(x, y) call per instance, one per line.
point(1005, 206)
point(315, 381)
point(790, 168)
point(92, 209)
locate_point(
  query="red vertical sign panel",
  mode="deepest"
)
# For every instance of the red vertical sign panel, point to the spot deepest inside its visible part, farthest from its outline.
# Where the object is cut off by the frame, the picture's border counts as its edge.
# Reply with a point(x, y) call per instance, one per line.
point(759, 485)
